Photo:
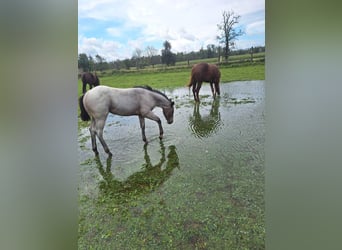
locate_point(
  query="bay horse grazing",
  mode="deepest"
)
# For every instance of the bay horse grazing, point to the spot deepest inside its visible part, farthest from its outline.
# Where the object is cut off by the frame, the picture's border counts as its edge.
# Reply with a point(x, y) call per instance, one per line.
point(99, 101)
point(91, 79)
point(204, 72)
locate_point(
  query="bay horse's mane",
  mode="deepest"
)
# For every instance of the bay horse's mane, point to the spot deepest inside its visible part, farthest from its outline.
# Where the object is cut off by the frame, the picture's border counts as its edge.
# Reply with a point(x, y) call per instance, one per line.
point(153, 90)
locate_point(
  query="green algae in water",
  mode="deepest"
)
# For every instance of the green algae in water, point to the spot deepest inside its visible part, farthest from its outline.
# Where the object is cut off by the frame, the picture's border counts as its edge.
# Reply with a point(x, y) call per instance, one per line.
point(200, 188)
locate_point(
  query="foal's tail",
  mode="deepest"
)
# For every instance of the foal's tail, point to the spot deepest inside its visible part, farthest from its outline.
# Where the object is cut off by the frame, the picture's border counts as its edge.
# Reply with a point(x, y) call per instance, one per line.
point(84, 114)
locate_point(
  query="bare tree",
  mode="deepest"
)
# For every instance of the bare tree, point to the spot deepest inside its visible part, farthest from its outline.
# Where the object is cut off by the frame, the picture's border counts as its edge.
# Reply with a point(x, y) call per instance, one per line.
point(137, 53)
point(228, 33)
point(150, 52)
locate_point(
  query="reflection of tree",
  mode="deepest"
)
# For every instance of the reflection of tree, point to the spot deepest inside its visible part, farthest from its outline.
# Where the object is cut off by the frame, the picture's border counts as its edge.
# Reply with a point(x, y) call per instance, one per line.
point(204, 126)
point(150, 178)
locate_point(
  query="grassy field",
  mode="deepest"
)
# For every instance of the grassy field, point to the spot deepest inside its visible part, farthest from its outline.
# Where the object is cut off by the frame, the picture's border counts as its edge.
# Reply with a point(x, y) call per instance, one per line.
point(182, 212)
point(172, 77)
point(192, 190)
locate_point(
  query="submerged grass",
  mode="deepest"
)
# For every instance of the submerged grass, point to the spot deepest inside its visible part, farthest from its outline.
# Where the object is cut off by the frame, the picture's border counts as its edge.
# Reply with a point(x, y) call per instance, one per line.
point(200, 212)
point(207, 195)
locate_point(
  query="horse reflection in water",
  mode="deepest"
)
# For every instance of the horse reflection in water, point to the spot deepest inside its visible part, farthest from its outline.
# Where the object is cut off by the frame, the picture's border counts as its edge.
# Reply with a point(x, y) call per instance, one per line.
point(148, 179)
point(205, 125)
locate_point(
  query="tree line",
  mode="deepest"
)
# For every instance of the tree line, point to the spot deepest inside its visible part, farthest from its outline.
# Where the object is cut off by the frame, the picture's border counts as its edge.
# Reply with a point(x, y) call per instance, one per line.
point(150, 56)
point(88, 63)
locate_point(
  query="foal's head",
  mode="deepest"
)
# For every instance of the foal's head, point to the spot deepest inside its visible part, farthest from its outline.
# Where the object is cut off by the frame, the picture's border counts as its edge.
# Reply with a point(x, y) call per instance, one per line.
point(168, 112)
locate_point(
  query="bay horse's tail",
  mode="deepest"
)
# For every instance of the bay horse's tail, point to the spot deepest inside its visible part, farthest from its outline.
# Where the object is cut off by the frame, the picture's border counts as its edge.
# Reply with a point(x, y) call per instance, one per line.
point(84, 114)
point(190, 82)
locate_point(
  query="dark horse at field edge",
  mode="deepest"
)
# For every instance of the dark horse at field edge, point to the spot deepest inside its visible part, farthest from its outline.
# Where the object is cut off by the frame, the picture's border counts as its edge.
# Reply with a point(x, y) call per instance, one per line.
point(204, 72)
point(91, 79)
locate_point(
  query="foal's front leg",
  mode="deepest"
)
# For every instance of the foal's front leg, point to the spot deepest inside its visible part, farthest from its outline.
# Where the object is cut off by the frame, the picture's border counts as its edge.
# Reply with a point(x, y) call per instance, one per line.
point(142, 126)
point(150, 115)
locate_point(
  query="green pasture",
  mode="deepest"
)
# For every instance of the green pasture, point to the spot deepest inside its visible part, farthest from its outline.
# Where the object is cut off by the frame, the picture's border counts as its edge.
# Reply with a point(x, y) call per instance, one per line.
point(173, 76)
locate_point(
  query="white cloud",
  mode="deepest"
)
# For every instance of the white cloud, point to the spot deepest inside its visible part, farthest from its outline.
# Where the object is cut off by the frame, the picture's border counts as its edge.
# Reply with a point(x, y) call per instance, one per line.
point(187, 25)
point(115, 32)
point(257, 27)
point(94, 46)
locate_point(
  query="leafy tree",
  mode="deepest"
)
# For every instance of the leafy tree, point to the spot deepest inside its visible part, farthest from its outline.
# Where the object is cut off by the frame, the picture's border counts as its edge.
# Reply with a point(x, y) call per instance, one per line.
point(210, 50)
point(168, 57)
point(83, 62)
point(127, 63)
point(228, 33)
point(92, 66)
point(99, 59)
point(100, 63)
point(167, 45)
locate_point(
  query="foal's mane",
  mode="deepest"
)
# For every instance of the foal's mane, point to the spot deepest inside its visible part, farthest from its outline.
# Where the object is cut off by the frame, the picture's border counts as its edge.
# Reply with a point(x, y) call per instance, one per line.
point(153, 90)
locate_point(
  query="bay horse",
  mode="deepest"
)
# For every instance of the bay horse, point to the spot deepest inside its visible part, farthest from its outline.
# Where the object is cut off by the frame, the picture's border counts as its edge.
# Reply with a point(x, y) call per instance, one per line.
point(91, 79)
point(98, 102)
point(204, 72)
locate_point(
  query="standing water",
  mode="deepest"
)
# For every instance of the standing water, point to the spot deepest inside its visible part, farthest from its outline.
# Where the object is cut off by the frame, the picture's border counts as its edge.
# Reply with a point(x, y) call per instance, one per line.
point(202, 186)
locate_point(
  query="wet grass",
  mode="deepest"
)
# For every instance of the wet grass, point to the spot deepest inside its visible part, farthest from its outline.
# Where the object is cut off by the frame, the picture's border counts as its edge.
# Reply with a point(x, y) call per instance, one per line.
point(134, 215)
point(203, 191)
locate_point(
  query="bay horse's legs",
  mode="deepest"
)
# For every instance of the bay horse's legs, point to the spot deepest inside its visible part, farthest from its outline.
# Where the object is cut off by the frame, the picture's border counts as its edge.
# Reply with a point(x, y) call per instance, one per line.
point(84, 87)
point(90, 85)
point(194, 90)
point(142, 126)
point(217, 88)
point(198, 87)
point(150, 115)
point(212, 89)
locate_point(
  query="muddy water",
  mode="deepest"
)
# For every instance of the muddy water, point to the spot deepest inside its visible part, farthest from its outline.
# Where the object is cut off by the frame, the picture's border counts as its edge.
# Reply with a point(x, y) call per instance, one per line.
point(208, 170)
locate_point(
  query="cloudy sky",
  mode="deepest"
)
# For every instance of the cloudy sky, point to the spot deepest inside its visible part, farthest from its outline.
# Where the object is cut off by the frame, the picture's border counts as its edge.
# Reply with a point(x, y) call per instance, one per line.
point(114, 29)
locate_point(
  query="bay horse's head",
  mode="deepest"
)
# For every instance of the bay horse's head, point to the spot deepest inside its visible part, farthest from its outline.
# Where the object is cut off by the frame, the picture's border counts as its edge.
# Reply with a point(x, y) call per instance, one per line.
point(96, 80)
point(168, 112)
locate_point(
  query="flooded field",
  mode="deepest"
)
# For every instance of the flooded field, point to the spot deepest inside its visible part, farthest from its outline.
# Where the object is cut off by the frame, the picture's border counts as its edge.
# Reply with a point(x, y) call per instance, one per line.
point(201, 187)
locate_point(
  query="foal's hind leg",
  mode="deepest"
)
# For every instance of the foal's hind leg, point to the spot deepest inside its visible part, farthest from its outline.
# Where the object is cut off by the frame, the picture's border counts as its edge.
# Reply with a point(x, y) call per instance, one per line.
point(92, 130)
point(99, 125)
